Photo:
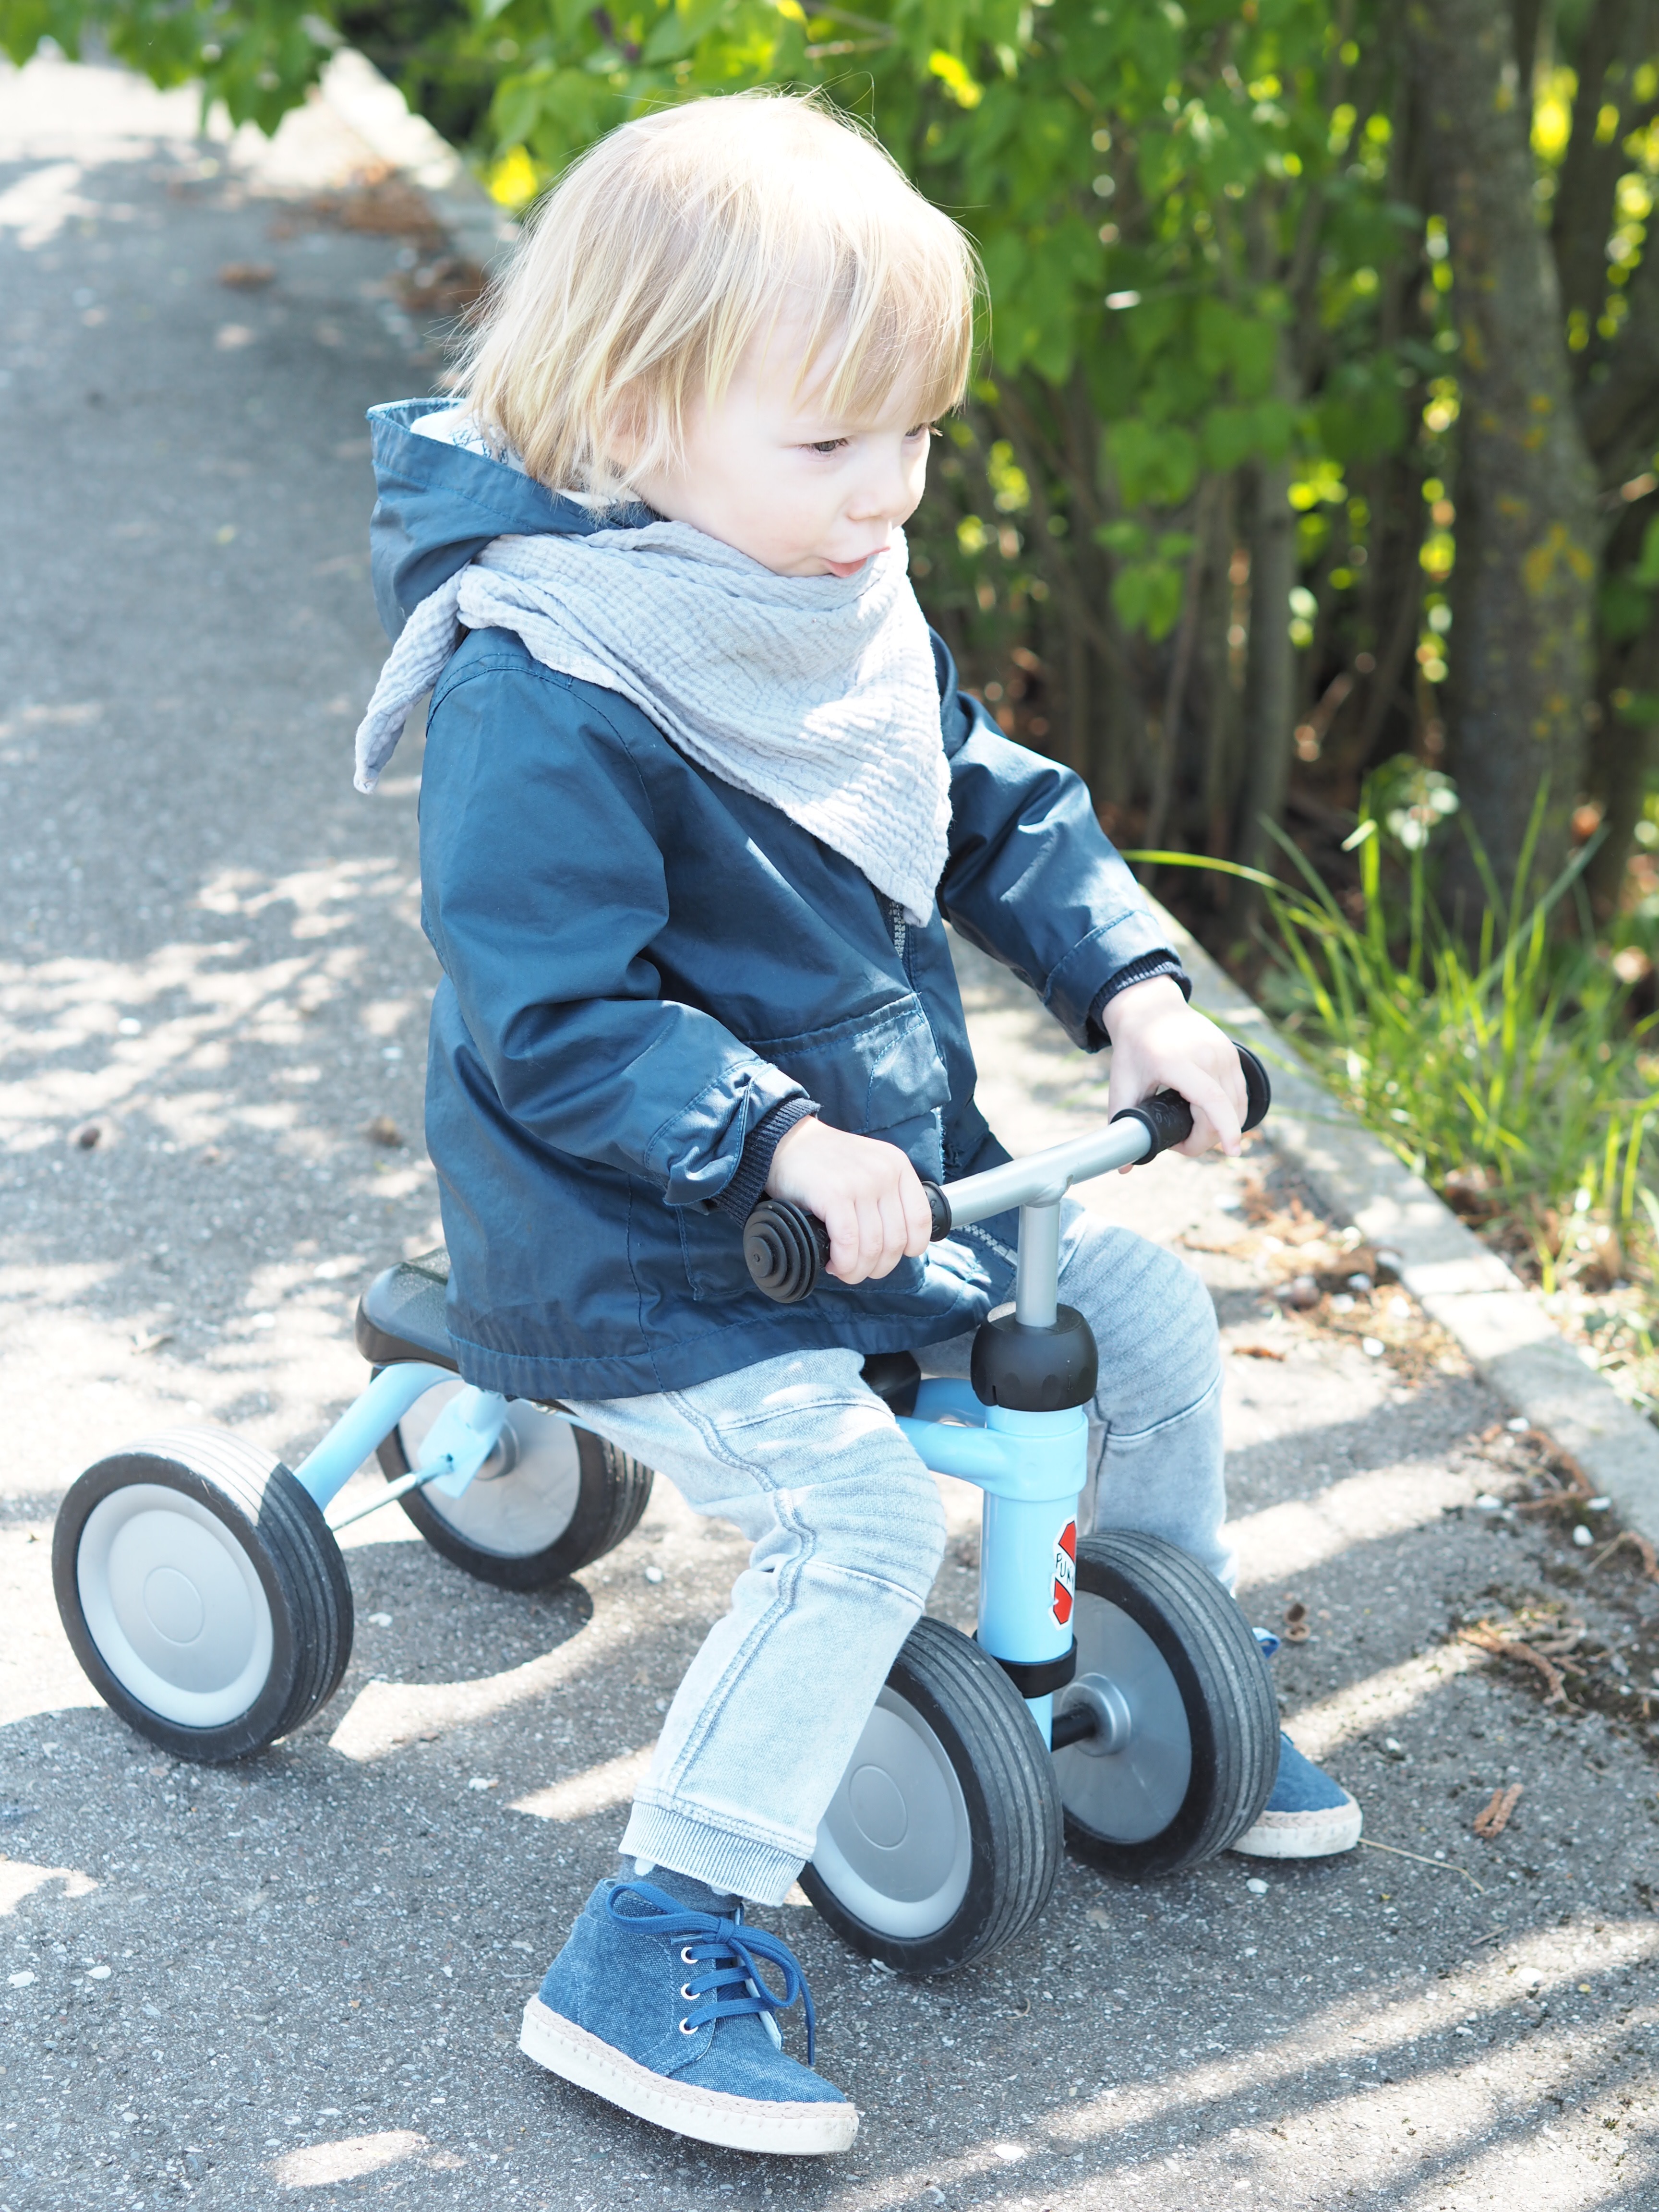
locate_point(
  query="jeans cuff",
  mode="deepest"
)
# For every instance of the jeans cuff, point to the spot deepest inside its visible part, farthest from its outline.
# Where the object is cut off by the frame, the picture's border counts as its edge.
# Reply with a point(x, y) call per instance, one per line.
point(714, 1855)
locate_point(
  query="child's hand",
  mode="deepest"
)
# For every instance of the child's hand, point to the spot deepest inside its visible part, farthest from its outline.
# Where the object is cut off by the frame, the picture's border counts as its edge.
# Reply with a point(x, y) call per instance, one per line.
point(1158, 1043)
point(866, 1194)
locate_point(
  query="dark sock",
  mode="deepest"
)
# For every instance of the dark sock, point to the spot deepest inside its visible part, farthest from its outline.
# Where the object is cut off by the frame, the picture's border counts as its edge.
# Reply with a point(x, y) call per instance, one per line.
point(683, 1889)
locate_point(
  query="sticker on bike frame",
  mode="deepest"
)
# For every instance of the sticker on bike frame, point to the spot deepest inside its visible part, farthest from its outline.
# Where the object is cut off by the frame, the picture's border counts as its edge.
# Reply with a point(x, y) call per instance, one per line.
point(1064, 1573)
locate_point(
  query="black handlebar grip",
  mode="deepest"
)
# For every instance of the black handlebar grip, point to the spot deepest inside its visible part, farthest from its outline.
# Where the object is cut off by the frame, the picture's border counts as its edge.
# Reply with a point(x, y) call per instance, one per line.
point(786, 1250)
point(1258, 1092)
point(939, 1207)
point(1168, 1119)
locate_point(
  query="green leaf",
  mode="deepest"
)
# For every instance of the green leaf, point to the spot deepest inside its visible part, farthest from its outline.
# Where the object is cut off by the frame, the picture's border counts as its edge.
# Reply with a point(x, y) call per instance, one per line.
point(1155, 464)
point(1146, 596)
point(1229, 342)
point(1359, 416)
point(681, 27)
point(1227, 438)
point(1623, 608)
point(1233, 435)
point(1125, 538)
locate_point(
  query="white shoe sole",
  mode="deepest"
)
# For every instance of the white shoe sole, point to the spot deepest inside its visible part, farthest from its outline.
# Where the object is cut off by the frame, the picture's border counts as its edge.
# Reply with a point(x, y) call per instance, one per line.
point(786, 2129)
point(1302, 1835)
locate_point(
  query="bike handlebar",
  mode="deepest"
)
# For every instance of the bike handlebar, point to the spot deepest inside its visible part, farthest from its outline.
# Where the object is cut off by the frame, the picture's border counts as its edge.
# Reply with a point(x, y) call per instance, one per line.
point(787, 1249)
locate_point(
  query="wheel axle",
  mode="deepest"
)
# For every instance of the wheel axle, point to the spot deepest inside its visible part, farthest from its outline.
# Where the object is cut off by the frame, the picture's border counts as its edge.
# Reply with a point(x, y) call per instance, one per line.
point(1072, 1726)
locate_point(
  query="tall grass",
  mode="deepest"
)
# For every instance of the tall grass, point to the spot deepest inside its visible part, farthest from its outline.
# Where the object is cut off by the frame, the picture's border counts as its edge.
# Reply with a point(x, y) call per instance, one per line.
point(1513, 1074)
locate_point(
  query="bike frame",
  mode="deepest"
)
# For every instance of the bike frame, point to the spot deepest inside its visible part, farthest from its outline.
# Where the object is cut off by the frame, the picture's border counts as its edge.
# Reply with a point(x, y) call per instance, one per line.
point(458, 1443)
point(1032, 1466)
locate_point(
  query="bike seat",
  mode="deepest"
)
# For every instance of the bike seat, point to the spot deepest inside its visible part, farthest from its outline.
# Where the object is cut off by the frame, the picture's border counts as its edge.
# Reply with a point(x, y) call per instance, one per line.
point(401, 1315)
point(895, 1376)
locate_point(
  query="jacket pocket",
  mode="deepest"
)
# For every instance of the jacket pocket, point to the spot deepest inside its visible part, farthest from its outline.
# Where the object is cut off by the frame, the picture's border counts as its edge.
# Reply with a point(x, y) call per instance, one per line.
point(875, 1076)
point(871, 1075)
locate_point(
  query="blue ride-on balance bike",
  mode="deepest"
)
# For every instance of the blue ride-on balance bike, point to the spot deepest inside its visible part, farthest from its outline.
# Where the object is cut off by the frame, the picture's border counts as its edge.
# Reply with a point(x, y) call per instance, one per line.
point(1113, 1692)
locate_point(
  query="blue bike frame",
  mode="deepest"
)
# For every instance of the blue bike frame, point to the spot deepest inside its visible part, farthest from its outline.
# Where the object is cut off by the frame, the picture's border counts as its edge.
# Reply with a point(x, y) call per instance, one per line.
point(1030, 1466)
point(457, 1445)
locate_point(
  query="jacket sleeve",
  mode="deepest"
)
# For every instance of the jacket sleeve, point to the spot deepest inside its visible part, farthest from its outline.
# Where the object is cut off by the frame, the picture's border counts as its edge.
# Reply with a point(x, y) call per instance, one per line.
point(543, 888)
point(1032, 878)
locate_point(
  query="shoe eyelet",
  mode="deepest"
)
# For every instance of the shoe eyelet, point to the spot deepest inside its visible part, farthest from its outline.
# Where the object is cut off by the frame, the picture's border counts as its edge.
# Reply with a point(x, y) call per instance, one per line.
point(688, 1955)
point(686, 2028)
point(688, 1993)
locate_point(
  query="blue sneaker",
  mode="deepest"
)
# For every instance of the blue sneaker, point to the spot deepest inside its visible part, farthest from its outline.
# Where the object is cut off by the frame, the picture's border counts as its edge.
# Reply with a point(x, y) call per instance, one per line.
point(657, 2005)
point(1308, 1816)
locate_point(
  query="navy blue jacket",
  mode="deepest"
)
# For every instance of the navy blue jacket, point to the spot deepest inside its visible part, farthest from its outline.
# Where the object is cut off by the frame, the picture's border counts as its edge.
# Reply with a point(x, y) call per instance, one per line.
point(643, 967)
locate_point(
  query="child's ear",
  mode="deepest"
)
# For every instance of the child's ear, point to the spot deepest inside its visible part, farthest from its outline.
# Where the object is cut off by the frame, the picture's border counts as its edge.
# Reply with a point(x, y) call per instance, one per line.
point(626, 433)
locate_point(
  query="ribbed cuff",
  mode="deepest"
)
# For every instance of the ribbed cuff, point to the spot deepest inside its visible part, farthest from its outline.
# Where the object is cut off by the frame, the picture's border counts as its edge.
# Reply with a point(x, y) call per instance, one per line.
point(743, 1193)
point(739, 1864)
point(1144, 970)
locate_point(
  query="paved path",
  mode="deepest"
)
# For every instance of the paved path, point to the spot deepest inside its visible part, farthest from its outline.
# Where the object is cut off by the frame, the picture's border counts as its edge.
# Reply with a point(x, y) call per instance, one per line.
point(298, 1980)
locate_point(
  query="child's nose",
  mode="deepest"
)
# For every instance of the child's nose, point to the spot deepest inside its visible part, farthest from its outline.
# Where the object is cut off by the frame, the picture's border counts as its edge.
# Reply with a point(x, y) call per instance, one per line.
point(886, 493)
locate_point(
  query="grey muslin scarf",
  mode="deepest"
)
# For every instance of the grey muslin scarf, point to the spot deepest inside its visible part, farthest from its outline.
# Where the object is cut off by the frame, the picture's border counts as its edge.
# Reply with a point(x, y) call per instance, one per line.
point(816, 694)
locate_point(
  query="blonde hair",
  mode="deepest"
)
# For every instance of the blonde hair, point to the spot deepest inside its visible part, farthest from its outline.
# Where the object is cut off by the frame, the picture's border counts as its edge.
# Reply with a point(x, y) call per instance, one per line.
point(663, 252)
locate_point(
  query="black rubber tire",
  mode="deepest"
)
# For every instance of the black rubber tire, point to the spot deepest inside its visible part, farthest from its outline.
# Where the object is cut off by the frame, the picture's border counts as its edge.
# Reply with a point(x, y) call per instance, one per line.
point(1226, 1691)
point(282, 1534)
point(614, 1491)
point(1007, 1782)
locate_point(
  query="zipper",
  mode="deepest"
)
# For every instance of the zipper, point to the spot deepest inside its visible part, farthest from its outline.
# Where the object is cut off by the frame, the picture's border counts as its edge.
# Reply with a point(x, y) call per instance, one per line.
point(901, 931)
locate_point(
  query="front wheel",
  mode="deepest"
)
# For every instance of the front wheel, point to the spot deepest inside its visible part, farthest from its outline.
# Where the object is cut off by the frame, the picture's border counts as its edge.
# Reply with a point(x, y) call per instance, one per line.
point(550, 1498)
point(1185, 1745)
point(202, 1593)
point(943, 1841)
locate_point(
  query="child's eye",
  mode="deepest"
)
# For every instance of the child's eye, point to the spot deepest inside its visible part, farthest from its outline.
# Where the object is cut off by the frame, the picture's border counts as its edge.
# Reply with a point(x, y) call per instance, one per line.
point(922, 430)
point(826, 445)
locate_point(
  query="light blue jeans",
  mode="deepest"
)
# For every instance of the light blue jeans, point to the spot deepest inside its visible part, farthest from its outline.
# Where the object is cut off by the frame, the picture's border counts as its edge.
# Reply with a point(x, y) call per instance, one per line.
point(848, 1534)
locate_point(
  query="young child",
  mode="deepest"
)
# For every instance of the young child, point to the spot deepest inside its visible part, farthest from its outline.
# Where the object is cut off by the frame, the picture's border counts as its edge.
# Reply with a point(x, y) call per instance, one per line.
point(699, 794)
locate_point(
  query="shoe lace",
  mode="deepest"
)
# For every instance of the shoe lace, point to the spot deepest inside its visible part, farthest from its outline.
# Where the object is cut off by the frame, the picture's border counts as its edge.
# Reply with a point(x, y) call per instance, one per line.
point(724, 1955)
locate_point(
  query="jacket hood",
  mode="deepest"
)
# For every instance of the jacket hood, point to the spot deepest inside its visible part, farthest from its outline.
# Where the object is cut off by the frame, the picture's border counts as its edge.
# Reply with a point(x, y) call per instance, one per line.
point(437, 506)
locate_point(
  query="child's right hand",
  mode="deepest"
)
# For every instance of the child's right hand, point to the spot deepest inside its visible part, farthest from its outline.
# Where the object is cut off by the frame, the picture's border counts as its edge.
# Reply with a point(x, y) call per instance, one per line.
point(866, 1193)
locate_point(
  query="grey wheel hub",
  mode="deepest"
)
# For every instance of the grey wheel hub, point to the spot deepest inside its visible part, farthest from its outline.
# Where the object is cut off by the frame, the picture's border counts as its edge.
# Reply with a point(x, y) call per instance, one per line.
point(1128, 1780)
point(895, 1847)
point(174, 1605)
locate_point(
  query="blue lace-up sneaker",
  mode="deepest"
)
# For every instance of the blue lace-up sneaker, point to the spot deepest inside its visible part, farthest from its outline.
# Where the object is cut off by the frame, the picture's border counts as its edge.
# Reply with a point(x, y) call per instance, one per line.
point(659, 2005)
point(1308, 1816)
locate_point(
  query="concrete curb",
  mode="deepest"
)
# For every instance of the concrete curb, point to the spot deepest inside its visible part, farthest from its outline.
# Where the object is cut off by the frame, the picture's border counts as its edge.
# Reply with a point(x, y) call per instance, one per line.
point(1476, 1299)
point(376, 111)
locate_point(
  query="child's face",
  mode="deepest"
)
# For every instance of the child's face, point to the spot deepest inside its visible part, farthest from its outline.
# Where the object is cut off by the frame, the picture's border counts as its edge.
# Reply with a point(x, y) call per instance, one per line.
point(767, 470)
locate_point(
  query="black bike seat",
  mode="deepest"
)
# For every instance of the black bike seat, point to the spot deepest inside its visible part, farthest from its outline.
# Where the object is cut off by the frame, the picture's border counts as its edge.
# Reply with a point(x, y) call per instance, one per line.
point(895, 1376)
point(401, 1315)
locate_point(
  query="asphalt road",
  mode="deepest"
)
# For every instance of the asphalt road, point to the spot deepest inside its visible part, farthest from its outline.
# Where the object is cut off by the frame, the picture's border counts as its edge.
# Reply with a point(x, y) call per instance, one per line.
point(299, 1979)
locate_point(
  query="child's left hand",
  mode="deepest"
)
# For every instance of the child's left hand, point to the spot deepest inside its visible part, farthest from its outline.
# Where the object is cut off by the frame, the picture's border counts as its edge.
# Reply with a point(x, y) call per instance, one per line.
point(1158, 1043)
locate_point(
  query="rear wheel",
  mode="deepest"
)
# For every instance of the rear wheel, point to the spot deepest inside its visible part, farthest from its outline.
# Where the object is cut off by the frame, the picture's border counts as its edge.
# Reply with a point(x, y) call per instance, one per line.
point(1185, 1745)
point(550, 1498)
point(943, 1840)
point(202, 1592)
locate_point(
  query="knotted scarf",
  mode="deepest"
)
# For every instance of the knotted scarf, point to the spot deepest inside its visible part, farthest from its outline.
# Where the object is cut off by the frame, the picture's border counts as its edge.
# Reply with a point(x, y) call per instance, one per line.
point(816, 694)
